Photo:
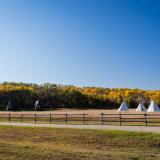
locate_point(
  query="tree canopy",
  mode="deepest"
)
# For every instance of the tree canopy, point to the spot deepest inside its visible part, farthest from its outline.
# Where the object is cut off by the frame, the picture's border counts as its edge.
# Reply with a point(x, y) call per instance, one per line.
point(24, 95)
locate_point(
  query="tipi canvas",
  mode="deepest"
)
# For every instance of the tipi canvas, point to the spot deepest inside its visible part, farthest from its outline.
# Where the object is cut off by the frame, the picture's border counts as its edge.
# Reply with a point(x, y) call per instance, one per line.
point(123, 107)
point(153, 107)
point(141, 108)
point(9, 106)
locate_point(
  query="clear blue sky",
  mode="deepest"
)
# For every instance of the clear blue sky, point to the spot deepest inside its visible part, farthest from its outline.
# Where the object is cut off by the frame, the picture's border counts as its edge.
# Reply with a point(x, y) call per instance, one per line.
point(107, 43)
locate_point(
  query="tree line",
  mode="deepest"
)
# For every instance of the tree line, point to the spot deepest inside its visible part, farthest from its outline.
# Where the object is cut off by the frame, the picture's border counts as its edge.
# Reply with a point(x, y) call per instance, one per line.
point(51, 96)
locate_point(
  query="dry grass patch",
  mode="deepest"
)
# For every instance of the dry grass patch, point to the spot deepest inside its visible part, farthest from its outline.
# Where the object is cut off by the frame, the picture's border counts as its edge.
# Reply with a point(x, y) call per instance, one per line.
point(74, 144)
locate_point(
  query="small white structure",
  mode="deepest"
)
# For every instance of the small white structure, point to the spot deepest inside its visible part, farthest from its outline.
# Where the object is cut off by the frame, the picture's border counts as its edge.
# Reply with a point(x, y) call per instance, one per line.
point(153, 107)
point(9, 106)
point(141, 108)
point(123, 107)
point(37, 105)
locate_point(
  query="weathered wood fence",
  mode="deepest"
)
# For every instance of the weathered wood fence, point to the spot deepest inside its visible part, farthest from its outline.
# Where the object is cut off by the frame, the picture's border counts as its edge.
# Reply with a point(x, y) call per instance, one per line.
point(103, 118)
point(144, 119)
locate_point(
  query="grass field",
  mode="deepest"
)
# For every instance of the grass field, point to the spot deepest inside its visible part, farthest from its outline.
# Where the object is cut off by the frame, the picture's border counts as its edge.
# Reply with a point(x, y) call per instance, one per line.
point(28, 143)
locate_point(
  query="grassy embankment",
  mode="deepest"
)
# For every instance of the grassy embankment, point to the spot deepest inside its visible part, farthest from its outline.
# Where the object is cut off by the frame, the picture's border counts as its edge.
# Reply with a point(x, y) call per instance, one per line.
point(28, 143)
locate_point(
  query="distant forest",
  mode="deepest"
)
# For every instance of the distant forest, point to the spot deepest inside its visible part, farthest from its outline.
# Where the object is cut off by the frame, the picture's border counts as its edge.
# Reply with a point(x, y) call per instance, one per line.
point(52, 96)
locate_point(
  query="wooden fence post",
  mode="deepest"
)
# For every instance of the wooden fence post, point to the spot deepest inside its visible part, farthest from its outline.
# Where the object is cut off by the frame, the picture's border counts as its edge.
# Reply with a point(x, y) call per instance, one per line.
point(50, 118)
point(83, 118)
point(9, 117)
point(66, 118)
point(21, 117)
point(35, 118)
point(145, 115)
point(120, 122)
point(102, 118)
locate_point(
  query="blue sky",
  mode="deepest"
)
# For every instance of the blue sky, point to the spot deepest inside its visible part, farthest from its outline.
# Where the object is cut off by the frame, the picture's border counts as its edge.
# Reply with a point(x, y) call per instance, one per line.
point(107, 43)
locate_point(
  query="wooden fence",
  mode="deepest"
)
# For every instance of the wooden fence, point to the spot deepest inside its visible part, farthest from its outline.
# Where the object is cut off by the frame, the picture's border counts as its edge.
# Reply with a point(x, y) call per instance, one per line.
point(122, 119)
point(103, 118)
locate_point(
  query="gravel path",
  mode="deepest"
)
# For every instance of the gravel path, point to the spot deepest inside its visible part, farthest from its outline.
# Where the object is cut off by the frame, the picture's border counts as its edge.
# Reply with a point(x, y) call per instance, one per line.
point(99, 127)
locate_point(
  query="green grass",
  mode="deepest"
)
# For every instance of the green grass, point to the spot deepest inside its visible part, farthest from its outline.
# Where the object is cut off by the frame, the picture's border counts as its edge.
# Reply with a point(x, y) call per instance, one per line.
point(17, 143)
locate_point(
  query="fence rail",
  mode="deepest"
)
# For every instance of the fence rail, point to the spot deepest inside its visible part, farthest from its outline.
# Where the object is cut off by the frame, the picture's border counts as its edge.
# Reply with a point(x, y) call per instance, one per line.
point(103, 118)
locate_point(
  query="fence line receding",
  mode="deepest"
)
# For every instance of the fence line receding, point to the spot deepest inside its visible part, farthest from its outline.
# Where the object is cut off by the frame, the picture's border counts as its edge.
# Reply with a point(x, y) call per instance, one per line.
point(102, 119)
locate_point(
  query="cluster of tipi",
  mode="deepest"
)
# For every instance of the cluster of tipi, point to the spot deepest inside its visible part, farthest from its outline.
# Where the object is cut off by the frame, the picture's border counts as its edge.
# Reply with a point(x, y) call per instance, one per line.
point(141, 108)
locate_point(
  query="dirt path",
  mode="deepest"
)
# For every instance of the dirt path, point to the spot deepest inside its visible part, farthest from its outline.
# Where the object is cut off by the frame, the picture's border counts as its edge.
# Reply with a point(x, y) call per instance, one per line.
point(99, 127)
point(90, 112)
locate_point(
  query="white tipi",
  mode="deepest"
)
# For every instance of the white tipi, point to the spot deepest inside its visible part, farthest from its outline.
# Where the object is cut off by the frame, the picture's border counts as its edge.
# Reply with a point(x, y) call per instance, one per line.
point(141, 108)
point(123, 107)
point(153, 107)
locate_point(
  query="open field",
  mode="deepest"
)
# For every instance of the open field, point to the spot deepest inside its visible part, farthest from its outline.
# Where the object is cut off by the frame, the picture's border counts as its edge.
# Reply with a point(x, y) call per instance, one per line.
point(150, 129)
point(29, 143)
point(91, 112)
